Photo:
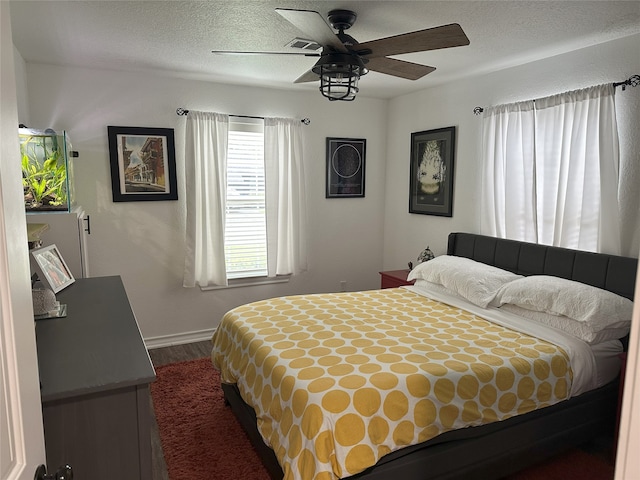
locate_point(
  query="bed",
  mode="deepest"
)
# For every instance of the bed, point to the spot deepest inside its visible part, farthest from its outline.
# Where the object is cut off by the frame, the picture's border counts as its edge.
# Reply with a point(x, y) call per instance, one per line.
point(522, 426)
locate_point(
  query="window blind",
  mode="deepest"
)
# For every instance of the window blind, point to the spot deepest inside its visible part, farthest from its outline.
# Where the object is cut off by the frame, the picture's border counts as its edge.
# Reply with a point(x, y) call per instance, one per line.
point(245, 225)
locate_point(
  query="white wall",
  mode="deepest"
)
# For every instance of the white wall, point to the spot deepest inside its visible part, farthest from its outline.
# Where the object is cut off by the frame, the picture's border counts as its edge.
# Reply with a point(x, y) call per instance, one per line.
point(452, 105)
point(144, 241)
point(20, 68)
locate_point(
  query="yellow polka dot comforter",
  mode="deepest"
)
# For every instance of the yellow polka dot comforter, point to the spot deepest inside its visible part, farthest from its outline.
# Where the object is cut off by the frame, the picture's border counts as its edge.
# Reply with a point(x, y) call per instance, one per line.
point(339, 380)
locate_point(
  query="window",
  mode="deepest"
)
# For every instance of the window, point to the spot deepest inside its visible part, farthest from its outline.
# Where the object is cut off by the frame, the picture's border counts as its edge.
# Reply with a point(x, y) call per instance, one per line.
point(228, 162)
point(245, 240)
point(550, 171)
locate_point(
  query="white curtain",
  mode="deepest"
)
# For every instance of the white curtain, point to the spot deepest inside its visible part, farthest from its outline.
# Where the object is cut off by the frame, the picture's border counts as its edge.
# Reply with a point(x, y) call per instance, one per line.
point(508, 209)
point(206, 179)
point(550, 171)
point(285, 197)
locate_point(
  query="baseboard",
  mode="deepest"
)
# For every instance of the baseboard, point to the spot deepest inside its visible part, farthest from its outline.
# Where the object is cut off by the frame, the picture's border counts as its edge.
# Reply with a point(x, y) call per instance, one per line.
point(178, 339)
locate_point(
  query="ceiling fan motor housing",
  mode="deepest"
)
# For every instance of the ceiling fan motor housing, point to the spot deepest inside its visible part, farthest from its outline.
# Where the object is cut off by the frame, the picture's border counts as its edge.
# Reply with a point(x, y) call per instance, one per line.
point(341, 19)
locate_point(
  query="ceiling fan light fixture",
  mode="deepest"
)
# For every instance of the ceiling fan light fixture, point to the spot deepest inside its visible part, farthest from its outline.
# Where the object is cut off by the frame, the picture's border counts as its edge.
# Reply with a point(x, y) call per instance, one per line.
point(339, 75)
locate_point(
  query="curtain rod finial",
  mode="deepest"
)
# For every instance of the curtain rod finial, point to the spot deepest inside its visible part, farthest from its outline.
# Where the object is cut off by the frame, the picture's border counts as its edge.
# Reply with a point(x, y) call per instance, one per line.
point(181, 111)
point(478, 110)
point(633, 81)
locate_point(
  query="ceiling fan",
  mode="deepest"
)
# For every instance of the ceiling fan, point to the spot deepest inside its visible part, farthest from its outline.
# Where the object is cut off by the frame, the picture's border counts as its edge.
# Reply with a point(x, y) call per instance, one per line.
point(343, 60)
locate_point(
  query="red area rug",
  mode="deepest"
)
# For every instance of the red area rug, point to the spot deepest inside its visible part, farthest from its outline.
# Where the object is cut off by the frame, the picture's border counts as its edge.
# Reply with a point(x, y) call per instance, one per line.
point(202, 440)
point(200, 436)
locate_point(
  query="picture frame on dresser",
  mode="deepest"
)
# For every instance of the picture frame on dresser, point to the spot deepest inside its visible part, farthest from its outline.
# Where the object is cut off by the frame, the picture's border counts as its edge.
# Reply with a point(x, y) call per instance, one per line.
point(432, 171)
point(51, 268)
point(143, 164)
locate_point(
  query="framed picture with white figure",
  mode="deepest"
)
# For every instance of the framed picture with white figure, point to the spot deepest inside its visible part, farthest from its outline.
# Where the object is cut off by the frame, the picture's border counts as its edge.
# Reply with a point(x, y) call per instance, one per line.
point(431, 172)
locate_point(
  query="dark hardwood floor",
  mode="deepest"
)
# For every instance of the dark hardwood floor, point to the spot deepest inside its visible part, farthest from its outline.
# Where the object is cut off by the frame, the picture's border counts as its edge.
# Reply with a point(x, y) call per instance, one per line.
point(180, 353)
point(164, 356)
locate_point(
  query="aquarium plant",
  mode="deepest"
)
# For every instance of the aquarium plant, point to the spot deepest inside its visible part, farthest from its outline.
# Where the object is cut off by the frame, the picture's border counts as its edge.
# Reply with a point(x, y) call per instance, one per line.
point(44, 171)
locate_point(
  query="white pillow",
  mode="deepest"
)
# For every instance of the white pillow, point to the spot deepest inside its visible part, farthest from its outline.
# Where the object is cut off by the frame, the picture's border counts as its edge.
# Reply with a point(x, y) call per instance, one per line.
point(597, 309)
point(475, 281)
point(434, 287)
point(573, 327)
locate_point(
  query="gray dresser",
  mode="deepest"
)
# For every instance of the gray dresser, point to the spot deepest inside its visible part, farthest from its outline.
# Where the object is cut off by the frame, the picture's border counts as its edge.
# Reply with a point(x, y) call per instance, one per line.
point(94, 376)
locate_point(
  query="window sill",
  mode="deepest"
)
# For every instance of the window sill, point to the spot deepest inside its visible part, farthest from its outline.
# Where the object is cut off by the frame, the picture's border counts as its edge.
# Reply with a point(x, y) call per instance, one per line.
point(248, 282)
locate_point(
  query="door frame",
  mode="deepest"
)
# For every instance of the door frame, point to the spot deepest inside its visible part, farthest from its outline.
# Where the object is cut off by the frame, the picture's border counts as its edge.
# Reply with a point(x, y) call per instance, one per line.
point(21, 432)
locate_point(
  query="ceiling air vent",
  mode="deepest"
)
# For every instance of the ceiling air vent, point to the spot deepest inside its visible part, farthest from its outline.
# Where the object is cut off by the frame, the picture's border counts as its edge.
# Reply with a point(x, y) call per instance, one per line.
point(304, 44)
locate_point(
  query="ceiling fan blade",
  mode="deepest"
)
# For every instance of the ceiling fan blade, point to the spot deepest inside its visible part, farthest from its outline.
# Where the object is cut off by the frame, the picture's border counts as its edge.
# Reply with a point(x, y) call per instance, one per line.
point(445, 36)
point(398, 68)
point(234, 52)
point(313, 26)
point(308, 76)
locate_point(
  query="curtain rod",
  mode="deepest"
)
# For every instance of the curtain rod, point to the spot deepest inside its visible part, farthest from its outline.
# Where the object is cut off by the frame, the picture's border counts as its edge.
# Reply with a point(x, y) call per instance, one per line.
point(633, 81)
point(184, 111)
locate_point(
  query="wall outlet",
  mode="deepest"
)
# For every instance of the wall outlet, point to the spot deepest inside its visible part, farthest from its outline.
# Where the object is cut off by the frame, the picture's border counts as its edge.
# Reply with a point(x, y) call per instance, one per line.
point(343, 285)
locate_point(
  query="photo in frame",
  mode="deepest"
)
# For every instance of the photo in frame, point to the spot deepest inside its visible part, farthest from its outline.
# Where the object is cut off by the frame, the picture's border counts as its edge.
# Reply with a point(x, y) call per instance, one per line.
point(143, 164)
point(345, 175)
point(431, 172)
point(51, 268)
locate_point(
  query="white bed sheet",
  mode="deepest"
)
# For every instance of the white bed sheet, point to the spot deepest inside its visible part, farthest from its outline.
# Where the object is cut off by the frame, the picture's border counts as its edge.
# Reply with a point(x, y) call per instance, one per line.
point(592, 365)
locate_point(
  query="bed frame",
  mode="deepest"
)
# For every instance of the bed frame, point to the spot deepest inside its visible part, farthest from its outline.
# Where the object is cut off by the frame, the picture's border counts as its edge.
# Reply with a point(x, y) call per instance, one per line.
point(501, 448)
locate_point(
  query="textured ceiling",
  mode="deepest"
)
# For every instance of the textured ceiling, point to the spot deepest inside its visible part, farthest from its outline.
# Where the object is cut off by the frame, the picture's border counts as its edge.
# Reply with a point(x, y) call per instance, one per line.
point(176, 37)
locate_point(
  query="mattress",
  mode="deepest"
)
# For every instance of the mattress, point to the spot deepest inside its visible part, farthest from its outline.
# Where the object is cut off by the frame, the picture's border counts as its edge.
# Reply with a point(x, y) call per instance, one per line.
point(340, 380)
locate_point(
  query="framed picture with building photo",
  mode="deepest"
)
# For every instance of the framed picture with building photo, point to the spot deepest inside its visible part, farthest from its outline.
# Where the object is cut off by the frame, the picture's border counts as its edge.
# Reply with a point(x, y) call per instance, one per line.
point(431, 172)
point(345, 167)
point(143, 164)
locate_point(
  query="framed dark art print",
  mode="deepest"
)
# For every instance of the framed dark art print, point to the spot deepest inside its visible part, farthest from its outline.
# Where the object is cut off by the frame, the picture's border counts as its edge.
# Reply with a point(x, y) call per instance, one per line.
point(345, 167)
point(143, 164)
point(431, 177)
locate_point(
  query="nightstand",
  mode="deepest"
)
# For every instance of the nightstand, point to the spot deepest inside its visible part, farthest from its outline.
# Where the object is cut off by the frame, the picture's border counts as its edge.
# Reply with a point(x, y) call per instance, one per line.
point(394, 278)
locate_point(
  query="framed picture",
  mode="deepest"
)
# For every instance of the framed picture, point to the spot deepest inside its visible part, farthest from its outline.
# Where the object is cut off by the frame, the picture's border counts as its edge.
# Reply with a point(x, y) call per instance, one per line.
point(431, 177)
point(143, 164)
point(51, 268)
point(345, 167)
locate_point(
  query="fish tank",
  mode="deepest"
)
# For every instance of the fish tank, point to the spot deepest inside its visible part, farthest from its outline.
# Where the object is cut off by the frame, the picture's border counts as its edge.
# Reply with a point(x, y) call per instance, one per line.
point(47, 173)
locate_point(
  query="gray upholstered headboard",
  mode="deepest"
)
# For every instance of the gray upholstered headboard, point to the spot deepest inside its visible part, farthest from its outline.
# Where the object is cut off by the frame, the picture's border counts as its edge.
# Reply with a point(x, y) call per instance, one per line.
point(609, 272)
